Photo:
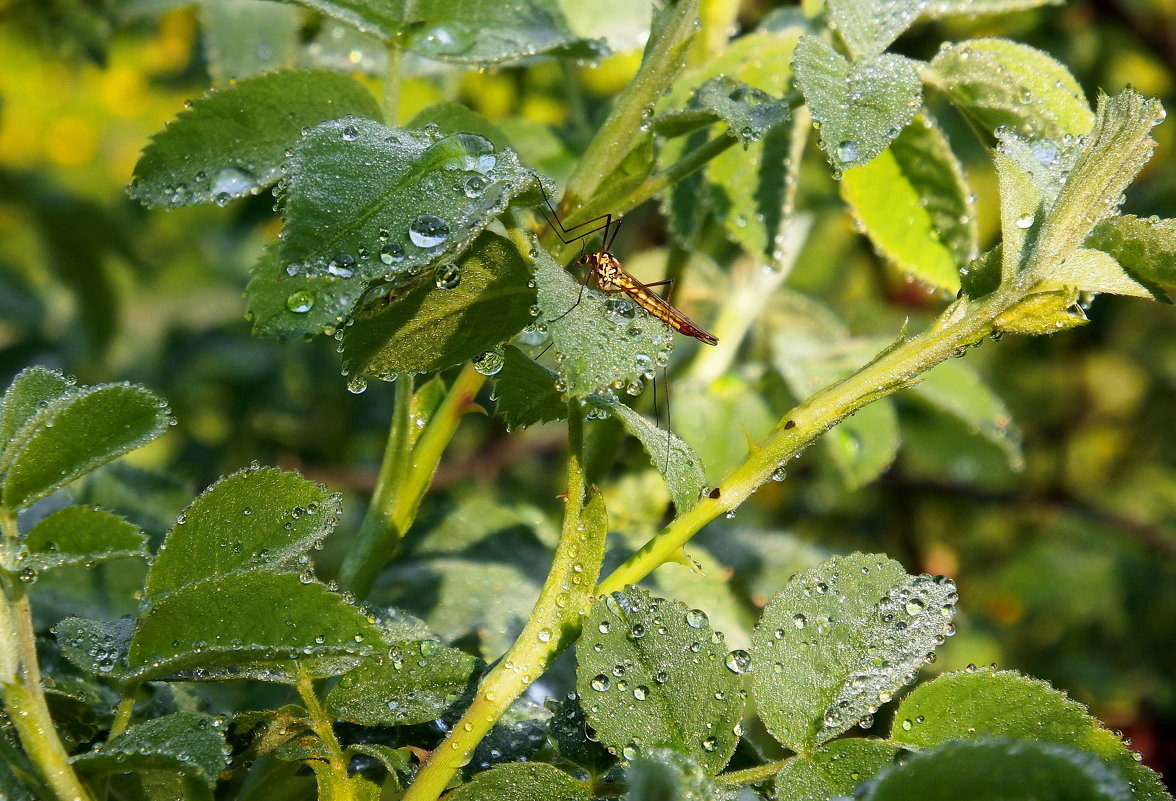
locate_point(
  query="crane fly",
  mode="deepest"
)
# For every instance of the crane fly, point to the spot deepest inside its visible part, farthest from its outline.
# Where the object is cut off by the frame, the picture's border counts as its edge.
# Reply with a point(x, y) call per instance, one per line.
point(605, 270)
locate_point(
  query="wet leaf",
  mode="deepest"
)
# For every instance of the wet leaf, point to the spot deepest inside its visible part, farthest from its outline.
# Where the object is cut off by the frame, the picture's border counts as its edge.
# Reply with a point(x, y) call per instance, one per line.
point(1144, 247)
point(244, 38)
point(522, 781)
point(749, 113)
point(74, 433)
point(914, 203)
point(526, 392)
point(666, 775)
point(1097, 272)
point(1043, 313)
point(364, 203)
point(414, 682)
point(97, 646)
point(955, 388)
point(82, 535)
point(833, 770)
point(869, 26)
point(599, 340)
point(840, 640)
point(231, 142)
point(860, 107)
point(651, 674)
point(972, 8)
point(185, 743)
point(980, 704)
point(670, 454)
point(429, 327)
point(1000, 770)
point(32, 390)
point(570, 734)
point(1000, 83)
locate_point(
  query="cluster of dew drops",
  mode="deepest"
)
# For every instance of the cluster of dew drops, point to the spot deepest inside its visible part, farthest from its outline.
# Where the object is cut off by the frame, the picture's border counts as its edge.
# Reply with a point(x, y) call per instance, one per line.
point(425, 231)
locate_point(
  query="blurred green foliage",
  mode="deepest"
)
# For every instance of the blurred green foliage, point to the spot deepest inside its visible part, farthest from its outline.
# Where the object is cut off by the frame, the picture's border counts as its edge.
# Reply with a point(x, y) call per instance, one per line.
point(1066, 568)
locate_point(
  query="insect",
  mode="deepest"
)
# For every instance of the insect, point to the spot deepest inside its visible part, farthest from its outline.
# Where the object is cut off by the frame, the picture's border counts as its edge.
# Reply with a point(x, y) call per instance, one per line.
point(611, 278)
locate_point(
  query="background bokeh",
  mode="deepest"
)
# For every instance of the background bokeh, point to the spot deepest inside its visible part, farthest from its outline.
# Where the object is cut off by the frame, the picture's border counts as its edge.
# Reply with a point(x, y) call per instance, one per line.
point(1066, 567)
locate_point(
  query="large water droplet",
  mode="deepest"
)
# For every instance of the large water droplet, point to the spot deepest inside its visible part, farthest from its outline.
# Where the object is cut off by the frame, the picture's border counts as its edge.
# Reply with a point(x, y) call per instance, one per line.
point(428, 230)
point(738, 661)
point(447, 276)
point(300, 302)
point(490, 362)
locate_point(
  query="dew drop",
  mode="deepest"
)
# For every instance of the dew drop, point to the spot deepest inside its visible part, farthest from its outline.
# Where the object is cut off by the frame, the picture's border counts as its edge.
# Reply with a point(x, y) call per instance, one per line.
point(428, 230)
point(300, 302)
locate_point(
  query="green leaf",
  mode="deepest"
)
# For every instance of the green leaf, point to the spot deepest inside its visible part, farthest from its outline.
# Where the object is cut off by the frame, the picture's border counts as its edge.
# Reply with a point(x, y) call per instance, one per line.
point(667, 775)
point(954, 387)
point(869, 26)
point(254, 518)
point(398, 762)
point(717, 418)
point(859, 107)
point(1000, 83)
point(651, 675)
point(983, 274)
point(1021, 210)
point(97, 646)
point(1114, 153)
point(480, 32)
point(231, 142)
point(414, 682)
point(914, 203)
point(522, 781)
point(366, 203)
point(184, 743)
point(1043, 313)
point(600, 340)
point(992, 703)
point(972, 8)
point(33, 389)
point(244, 38)
point(248, 625)
point(829, 653)
point(455, 118)
point(526, 392)
point(1001, 770)
point(833, 770)
point(1095, 271)
point(474, 305)
point(569, 732)
point(82, 535)
point(1144, 247)
point(748, 112)
point(669, 453)
point(74, 434)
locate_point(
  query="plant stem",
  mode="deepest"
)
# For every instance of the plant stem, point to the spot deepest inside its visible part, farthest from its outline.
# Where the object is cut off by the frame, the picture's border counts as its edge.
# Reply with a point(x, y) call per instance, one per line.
point(20, 680)
point(391, 82)
point(338, 785)
point(554, 624)
point(672, 29)
point(405, 476)
point(122, 714)
point(752, 775)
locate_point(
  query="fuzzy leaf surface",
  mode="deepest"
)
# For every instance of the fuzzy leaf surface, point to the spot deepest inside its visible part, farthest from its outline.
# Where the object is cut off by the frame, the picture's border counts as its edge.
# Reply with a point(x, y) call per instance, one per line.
point(869, 26)
point(428, 328)
point(916, 207)
point(75, 433)
point(82, 535)
point(840, 640)
point(833, 770)
point(1144, 247)
point(31, 390)
point(526, 392)
point(1000, 770)
point(184, 742)
point(364, 203)
point(1000, 83)
point(414, 683)
point(522, 781)
point(860, 106)
point(670, 454)
point(231, 142)
point(658, 680)
point(1005, 704)
point(254, 518)
point(600, 340)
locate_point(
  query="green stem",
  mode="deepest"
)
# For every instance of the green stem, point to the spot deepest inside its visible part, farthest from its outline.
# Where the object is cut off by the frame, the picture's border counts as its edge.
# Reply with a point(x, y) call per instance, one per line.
point(405, 476)
point(337, 785)
point(20, 680)
point(554, 624)
point(758, 773)
point(672, 29)
point(122, 714)
point(392, 85)
point(960, 327)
